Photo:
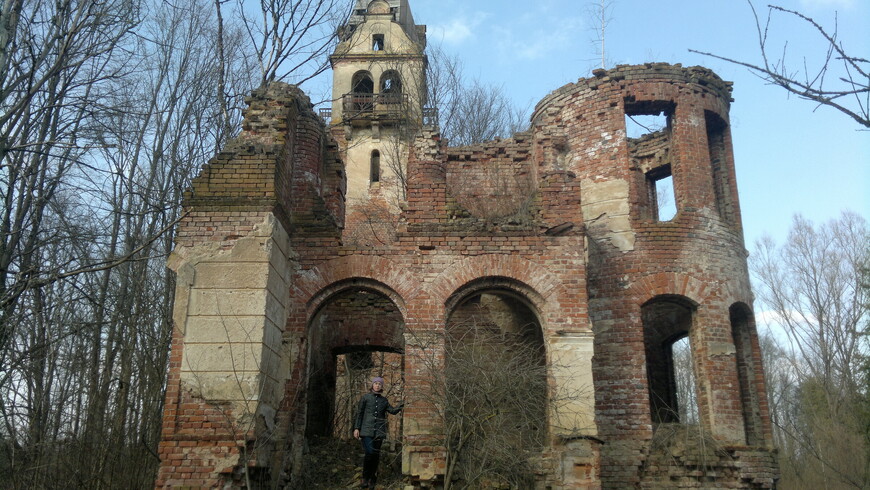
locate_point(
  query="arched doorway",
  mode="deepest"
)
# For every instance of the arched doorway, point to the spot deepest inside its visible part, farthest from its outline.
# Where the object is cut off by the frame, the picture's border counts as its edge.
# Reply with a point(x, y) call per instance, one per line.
point(357, 333)
point(496, 386)
point(667, 328)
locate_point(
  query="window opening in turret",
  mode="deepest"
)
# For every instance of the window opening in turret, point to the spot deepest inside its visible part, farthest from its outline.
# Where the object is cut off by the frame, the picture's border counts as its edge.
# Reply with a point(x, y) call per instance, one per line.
point(717, 144)
point(644, 118)
point(378, 42)
point(639, 125)
point(648, 138)
point(660, 187)
point(375, 169)
point(684, 381)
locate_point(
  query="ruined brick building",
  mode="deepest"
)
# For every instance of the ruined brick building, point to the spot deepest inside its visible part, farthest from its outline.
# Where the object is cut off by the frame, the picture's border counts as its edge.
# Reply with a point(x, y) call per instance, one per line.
point(305, 240)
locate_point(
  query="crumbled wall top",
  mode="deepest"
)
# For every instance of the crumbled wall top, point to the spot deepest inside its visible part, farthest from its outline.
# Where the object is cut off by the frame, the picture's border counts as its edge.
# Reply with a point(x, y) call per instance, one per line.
point(698, 75)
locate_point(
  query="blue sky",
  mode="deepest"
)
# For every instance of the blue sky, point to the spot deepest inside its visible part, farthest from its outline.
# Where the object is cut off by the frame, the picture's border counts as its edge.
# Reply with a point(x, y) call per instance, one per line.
point(791, 157)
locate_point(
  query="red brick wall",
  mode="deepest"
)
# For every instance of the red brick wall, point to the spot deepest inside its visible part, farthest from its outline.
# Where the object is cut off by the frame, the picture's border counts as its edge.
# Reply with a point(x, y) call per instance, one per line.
point(508, 215)
point(284, 164)
point(699, 255)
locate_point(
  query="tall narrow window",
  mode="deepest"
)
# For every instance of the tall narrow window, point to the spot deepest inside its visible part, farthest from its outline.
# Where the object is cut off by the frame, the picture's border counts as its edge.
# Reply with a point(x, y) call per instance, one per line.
point(378, 42)
point(667, 323)
point(684, 381)
point(660, 186)
point(375, 171)
point(716, 141)
point(648, 137)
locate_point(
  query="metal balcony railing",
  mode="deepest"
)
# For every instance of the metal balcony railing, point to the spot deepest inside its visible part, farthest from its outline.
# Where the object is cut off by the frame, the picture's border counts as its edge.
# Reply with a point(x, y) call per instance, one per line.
point(325, 114)
point(430, 117)
point(363, 104)
point(391, 106)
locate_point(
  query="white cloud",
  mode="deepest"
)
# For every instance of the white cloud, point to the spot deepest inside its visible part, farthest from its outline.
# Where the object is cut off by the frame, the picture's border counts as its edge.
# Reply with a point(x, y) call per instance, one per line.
point(537, 43)
point(457, 30)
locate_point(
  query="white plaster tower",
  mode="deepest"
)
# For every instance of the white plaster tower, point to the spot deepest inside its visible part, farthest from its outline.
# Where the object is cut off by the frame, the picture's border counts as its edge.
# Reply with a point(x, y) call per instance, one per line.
point(379, 94)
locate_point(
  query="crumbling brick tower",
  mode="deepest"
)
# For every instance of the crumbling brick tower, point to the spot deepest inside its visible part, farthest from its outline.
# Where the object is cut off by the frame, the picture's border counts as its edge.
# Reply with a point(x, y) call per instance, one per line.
point(652, 282)
point(557, 234)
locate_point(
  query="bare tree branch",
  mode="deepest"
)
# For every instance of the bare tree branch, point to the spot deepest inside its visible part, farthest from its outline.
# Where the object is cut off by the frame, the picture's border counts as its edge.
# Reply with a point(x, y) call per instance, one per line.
point(839, 80)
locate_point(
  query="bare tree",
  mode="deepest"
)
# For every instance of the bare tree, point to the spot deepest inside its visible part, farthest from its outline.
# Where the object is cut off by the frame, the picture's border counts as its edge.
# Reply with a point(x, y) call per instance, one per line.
point(108, 110)
point(812, 286)
point(444, 86)
point(55, 59)
point(484, 113)
point(838, 79)
point(292, 38)
point(600, 15)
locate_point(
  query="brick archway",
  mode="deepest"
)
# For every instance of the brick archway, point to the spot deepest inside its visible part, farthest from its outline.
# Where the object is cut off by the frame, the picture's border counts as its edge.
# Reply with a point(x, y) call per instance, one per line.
point(315, 286)
point(672, 284)
point(517, 288)
point(541, 282)
point(356, 330)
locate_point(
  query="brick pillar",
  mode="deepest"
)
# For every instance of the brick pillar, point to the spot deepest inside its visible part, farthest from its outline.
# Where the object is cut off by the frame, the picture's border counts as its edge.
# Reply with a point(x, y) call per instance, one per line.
point(423, 456)
point(227, 365)
point(693, 176)
point(232, 302)
point(716, 367)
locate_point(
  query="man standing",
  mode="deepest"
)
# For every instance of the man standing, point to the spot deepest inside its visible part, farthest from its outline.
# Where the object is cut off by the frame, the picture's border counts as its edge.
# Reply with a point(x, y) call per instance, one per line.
point(370, 425)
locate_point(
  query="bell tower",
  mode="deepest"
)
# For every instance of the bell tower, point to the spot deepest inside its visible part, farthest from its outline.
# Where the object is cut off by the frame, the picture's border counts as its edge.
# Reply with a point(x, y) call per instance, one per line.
point(378, 99)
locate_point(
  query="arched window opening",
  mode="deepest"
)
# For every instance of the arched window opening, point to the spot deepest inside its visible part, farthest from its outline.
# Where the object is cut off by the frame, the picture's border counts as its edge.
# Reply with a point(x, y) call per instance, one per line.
point(362, 83)
point(494, 332)
point(748, 368)
point(391, 87)
point(667, 323)
point(362, 92)
point(375, 168)
point(378, 42)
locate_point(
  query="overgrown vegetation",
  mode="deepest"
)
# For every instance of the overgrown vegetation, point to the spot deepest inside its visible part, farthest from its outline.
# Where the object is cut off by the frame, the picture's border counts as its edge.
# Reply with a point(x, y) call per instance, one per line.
point(490, 392)
point(494, 408)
